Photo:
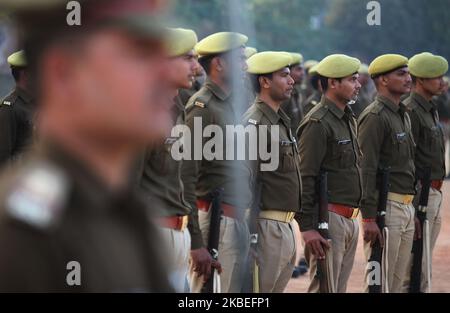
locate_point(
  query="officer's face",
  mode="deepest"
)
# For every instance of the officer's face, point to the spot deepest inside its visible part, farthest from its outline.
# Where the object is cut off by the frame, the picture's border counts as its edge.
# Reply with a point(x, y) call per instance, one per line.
point(182, 70)
point(434, 86)
point(281, 85)
point(118, 88)
point(348, 88)
point(297, 73)
point(398, 81)
point(234, 65)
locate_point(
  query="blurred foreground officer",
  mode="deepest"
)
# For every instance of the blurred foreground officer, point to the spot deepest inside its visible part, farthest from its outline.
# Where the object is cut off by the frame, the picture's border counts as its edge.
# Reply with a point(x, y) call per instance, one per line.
point(280, 196)
point(293, 106)
point(69, 219)
point(386, 142)
point(161, 178)
point(16, 112)
point(328, 144)
point(365, 96)
point(427, 71)
point(222, 56)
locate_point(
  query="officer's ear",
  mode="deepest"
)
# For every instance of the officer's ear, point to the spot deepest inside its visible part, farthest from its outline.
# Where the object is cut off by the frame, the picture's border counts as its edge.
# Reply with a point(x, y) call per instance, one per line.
point(264, 82)
point(332, 83)
point(218, 63)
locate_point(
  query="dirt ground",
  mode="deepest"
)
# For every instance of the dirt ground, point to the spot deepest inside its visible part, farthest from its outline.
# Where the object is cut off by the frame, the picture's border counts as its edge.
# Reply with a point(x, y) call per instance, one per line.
point(441, 258)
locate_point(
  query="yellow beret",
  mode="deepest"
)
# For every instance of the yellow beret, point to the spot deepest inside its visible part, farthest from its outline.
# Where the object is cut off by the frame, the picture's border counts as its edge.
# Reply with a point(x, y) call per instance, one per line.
point(297, 58)
point(220, 42)
point(180, 41)
point(363, 69)
point(427, 65)
point(17, 59)
point(313, 70)
point(249, 51)
point(268, 62)
point(338, 66)
point(386, 63)
point(310, 63)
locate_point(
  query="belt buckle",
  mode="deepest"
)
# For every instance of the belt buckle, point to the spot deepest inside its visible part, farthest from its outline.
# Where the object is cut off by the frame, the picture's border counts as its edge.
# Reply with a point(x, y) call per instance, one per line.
point(407, 199)
point(355, 213)
point(184, 222)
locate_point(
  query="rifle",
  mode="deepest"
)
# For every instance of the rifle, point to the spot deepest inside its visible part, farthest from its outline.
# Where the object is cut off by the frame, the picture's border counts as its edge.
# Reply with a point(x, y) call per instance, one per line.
point(378, 255)
point(418, 244)
point(212, 285)
point(324, 267)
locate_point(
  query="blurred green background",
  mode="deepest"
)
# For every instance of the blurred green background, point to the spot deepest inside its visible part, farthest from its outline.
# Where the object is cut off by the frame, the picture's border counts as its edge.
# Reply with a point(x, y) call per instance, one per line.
point(317, 28)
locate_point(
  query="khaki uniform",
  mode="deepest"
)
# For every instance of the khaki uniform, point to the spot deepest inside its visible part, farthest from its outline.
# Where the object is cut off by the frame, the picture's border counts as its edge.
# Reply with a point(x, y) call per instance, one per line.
point(294, 108)
point(312, 101)
point(16, 124)
point(280, 201)
point(386, 140)
point(53, 210)
point(430, 151)
point(211, 105)
point(328, 142)
point(365, 97)
point(160, 184)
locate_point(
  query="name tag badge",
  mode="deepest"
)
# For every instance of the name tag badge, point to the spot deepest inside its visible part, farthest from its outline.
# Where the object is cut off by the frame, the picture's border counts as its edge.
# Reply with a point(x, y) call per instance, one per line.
point(401, 136)
point(344, 142)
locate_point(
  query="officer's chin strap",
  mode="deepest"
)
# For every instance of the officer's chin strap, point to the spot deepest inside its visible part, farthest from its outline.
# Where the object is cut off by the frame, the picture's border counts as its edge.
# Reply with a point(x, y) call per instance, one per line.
point(427, 248)
point(216, 282)
point(385, 261)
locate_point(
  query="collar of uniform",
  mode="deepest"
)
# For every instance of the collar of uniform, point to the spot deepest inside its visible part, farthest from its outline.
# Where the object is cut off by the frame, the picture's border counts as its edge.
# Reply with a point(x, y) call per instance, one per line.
point(26, 97)
point(273, 116)
point(388, 103)
point(330, 105)
point(426, 105)
point(216, 90)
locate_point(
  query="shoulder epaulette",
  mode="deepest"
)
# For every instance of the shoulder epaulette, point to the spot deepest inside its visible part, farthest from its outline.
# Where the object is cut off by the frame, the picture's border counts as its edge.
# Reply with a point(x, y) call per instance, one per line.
point(377, 108)
point(318, 114)
point(38, 196)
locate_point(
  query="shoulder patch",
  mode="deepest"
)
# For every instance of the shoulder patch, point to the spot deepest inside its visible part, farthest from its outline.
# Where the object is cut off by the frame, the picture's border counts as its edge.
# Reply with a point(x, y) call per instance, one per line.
point(318, 114)
point(377, 108)
point(38, 196)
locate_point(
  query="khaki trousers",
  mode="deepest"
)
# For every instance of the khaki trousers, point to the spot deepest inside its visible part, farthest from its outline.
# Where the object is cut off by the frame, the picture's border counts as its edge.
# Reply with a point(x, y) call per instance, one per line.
point(400, 223)
point(434, 218)
point(344, 240)
point(179, 246)
point(234, 245)
point(276, 254)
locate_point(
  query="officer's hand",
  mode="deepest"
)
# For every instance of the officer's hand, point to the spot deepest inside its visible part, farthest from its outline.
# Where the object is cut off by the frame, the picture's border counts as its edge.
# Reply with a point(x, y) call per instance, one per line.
point(201, 261)
point(372, 233)
point(316, 243)
point(417, 229)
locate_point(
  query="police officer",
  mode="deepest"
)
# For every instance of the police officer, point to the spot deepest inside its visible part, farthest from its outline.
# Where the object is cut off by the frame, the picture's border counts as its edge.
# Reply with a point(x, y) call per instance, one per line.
point(70, 219)
point(365, 96)
point(16, 112)
point(160, 180)
point(293, 106)
point(219, 53)
point(328, 143)
point(386, 142)
point(427, 71)
point(280, 197)
point(315, 97)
